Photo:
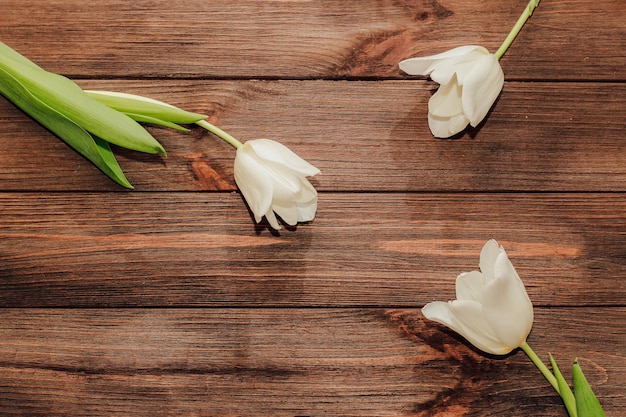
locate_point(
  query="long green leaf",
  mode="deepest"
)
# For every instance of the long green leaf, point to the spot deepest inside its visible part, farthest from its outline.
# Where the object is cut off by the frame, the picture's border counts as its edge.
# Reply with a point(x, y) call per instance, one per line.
point(94, 149)
point(154, 121)
point(67, 98)
point(8, 52)
point(587, 403)
point(564, 390)
point(139, 105)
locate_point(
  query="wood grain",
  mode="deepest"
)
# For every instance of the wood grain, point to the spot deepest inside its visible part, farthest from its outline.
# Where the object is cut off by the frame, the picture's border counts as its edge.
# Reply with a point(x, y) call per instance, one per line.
point(143, 249)
point(565, 40)
point(539, 137)
point(250, 362)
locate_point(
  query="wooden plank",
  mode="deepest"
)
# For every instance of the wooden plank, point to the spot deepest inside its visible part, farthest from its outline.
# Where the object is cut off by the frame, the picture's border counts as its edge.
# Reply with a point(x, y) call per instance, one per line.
point(539, 136)
point(566, 40)
point(202, 249)
point(286, 362)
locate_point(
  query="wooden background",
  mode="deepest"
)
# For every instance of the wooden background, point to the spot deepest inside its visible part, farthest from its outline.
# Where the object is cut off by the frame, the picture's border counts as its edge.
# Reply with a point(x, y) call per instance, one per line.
point(169, 300)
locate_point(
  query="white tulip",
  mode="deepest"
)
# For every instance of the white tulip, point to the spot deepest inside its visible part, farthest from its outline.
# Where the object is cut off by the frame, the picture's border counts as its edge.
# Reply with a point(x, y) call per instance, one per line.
point(273, 181)
point(492, 310)
point(471, 80)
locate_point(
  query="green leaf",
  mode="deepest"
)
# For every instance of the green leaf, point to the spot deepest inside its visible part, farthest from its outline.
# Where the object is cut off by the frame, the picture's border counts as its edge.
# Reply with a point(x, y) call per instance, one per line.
point(94, 149)
point(587, 403)
point(139, 105)
point(564, 389)
point(7, 52)
point(154, 121)
point(68, 99)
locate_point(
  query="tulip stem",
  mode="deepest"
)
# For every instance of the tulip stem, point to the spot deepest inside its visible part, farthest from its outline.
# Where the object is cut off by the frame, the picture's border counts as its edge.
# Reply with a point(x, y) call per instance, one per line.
point(528, 11)
point(541, 366)
point(220, 133)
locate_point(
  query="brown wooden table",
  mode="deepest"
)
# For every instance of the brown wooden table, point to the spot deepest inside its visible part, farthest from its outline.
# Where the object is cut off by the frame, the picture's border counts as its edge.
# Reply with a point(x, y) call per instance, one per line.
point(169, 300)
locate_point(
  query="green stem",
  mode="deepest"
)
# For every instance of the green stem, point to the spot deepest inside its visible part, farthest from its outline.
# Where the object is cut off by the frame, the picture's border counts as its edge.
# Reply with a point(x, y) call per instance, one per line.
point(541, 366)
point(528, 11)
point(220, 133)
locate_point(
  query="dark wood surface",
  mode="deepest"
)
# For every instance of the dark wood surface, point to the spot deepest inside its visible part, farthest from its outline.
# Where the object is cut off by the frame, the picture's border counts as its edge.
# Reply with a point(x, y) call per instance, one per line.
point(169, 300)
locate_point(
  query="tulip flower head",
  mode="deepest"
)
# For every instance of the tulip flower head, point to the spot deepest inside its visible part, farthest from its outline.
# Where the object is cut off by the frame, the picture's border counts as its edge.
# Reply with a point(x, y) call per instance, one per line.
point(273, 181)
point(471, 80)
point(270, 176)
point(492, 310)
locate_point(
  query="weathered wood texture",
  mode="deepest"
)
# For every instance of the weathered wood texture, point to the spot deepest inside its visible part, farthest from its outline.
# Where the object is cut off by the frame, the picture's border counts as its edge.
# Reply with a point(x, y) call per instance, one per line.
point(364, 136)
point(572, 39)
point(296, 362)
point(170, 301)
point(153, 249)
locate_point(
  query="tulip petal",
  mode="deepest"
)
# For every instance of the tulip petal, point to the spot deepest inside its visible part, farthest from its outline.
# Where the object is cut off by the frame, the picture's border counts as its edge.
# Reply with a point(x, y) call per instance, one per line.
point(505, 302)
point(306, 211)
point(307, 194)
point(469, 286)
point(481, 88)
point(488, 255)
point(467, 319)
point(255, 186)
point(445, 112)
point(275, 152)
point(271, 219)
point(289, 213)
point(442, 127)
point(288, 183)
point(458, 66)
point(446, 102)
point(427, 64)
point(475, 327)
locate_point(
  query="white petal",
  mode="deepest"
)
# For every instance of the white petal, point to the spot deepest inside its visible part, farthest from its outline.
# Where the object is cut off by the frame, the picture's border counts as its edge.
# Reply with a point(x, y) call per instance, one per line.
point(466, 318)
point(476, 328)
point(446, 102)
point(488, 255)
point(287, 184)
point(507, 305)
point(481, 88)
point(306, 211)
point(275, 152)
point(308, 193)
point(446, 127)
point(289, 214)
point(253, 182)
point(469, 286)
point(271, 218)
point(459, 66)
point(439, 311)
point(307, 202)
point(425, 65)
